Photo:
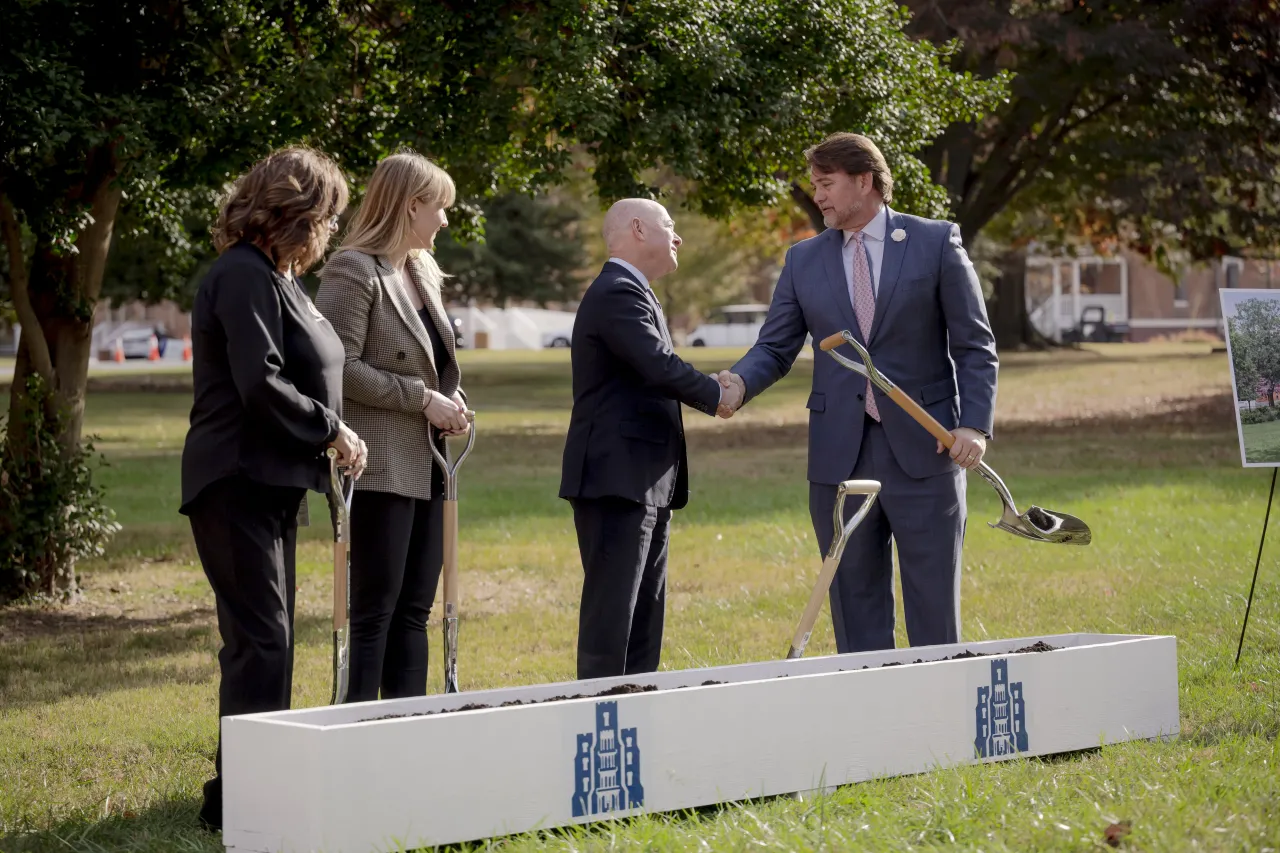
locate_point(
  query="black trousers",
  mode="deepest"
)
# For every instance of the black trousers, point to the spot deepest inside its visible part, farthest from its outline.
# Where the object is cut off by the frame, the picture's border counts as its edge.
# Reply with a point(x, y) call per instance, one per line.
point(246, 536)
point(397, 552)
point(624, 558)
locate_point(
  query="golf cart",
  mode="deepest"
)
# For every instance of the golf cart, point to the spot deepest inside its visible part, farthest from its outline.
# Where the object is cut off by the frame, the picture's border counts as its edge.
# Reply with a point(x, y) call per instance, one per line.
point(1094, 327)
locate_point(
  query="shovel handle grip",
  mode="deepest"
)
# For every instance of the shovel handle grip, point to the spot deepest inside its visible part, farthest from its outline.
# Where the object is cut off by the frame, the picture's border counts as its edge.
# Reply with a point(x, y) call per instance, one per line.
point(859, 487)
point(830, 342)
point(441, 454)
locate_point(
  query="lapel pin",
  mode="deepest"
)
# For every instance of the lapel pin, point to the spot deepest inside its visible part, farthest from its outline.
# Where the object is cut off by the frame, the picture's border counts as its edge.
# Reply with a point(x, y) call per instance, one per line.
point(898, 235)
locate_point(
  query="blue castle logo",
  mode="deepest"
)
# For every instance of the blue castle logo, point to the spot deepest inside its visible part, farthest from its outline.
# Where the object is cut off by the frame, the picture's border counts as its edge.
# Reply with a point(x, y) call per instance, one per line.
point(606, 767)
point(1001, 715)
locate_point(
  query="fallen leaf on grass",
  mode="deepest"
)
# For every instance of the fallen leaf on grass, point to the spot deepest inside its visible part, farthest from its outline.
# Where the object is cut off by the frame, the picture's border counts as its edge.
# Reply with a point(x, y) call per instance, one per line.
point(1116, 832)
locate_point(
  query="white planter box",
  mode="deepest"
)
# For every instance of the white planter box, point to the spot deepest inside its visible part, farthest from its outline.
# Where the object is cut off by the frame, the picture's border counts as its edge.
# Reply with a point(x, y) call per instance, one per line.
point(332, 779)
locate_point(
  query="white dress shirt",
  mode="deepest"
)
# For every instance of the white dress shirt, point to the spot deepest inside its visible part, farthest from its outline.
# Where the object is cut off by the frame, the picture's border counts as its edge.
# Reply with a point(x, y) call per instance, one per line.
point(631, 269)
point(645, 281)
point(873, 239)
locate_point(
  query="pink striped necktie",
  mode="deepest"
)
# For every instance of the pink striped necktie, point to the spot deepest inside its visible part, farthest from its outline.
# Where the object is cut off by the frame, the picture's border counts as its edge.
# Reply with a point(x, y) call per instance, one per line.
point(864, 306)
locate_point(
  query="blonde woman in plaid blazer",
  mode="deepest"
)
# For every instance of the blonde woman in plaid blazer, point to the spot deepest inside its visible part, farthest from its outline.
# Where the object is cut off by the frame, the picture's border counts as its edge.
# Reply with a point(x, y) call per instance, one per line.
point(381, 293)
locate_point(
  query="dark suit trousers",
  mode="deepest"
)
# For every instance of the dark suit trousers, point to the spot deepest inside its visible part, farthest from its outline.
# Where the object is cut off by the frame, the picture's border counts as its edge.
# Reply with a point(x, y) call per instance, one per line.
point(397, 552)
point(926, 521)
point(624, 558)
point(246, 535)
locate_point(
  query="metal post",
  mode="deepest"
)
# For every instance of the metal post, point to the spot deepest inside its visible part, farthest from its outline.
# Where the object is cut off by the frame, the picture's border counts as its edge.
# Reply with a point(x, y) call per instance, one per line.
point(1265, 521)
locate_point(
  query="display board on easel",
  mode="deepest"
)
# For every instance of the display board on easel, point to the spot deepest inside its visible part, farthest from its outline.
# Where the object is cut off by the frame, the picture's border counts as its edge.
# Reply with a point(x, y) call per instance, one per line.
point(1252, 322)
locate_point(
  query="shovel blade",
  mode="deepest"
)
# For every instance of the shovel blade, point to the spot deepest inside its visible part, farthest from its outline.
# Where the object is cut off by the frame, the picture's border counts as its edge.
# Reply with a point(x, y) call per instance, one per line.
point(1043, 525)
point(451, 654)
point(341, 665)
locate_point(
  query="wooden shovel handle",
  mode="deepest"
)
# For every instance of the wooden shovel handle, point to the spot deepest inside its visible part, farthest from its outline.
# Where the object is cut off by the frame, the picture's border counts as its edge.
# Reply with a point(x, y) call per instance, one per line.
point(926, 420)
point(809, 617)
point(910, 406)
point(450, 573)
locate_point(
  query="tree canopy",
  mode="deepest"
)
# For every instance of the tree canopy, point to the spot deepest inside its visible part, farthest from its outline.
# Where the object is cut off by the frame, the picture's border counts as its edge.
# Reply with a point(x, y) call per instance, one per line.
point(532, 250)
point(1147, 123)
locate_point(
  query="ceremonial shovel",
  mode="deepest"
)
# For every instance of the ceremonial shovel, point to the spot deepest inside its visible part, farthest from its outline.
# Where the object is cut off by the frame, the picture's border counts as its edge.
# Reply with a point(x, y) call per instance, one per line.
point(340, 491)
point(840, 533)
point(451, 553)
point(1036, 524)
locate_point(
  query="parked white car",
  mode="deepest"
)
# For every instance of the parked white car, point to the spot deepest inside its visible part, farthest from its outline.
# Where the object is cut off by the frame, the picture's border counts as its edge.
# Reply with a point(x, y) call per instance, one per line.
point(558, 339)
point(137, 343)
point(730, 326)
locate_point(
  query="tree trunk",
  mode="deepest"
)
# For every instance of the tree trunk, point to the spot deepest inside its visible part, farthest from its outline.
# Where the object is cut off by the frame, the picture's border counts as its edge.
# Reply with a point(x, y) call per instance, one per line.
point(64, 310)
point(57, 295)
point(1007, 308)
point(68, 336)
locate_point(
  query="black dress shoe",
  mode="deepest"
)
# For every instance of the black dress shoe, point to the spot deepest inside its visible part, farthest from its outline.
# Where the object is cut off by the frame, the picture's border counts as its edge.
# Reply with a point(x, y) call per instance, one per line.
point(211, 811)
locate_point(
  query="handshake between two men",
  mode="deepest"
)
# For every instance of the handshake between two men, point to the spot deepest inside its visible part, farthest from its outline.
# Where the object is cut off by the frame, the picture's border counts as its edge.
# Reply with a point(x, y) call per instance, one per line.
point(733, 395)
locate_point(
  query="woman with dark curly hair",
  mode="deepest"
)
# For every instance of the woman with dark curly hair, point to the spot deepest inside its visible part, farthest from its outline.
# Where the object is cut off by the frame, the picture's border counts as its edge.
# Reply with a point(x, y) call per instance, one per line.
point(267, 368)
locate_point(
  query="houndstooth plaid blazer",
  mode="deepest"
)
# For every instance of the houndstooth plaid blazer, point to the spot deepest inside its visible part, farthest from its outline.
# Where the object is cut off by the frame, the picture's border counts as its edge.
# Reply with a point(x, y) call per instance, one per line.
point(389, 367)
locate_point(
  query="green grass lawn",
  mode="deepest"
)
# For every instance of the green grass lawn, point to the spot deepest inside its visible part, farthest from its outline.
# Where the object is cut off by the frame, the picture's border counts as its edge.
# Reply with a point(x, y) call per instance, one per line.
point(107, 707)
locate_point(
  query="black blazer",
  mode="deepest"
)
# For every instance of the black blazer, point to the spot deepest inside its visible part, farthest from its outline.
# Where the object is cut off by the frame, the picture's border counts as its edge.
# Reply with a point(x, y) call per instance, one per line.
point(267, 368)
point(626, 433)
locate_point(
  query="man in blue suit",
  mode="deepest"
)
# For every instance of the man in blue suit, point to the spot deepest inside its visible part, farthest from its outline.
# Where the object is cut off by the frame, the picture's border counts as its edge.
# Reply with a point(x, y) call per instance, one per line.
point(906, 289)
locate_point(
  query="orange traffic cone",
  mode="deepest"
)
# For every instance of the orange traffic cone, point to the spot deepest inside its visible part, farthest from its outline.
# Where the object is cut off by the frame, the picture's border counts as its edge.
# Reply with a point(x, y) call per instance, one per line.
point(186, 348)
point(119, 353)
point(154, 353)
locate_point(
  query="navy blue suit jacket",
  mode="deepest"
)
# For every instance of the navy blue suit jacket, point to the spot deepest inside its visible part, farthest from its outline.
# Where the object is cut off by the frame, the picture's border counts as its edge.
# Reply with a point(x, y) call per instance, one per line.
point(626, 432)
point(930, 336)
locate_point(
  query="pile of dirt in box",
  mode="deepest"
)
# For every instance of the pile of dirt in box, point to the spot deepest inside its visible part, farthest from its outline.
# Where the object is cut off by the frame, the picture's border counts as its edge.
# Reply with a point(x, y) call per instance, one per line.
point(624, 689)
point(1037, 646)
point(620, 690)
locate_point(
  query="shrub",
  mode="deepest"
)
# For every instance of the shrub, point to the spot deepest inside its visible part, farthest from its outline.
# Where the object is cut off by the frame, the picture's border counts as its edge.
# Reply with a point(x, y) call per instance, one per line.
point(51, 513)
point(1260, 415)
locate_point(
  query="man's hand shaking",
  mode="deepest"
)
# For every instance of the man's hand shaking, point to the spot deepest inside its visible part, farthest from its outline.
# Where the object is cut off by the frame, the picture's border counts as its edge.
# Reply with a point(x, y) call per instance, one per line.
point(733, 394)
